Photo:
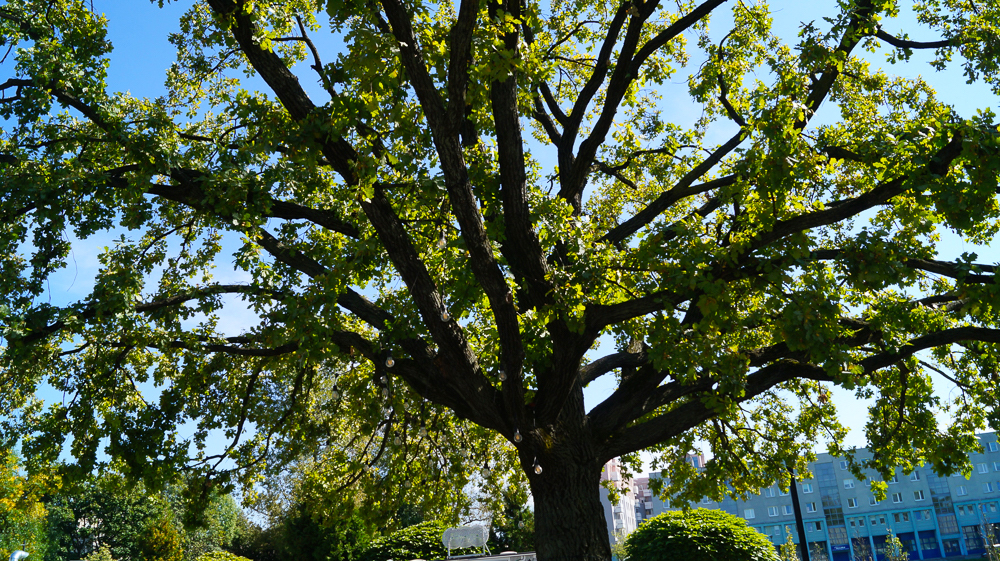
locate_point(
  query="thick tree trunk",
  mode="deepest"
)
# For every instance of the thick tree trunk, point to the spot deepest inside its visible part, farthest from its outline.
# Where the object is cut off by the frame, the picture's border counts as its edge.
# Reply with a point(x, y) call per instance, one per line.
point(569, 518)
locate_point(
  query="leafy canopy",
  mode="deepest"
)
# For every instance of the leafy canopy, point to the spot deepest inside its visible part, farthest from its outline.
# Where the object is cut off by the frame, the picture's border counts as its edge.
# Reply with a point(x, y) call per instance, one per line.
point(428, 282)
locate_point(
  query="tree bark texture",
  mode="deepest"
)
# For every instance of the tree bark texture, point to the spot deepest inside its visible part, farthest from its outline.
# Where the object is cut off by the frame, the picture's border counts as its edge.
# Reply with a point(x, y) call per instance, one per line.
point(569, 519)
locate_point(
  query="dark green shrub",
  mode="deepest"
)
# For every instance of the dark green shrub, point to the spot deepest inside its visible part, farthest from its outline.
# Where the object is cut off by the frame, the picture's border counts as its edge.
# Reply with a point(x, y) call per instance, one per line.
point(161, 541)
point(420, 541)
point(705, 535)
point(312, 536)
point(220, 556)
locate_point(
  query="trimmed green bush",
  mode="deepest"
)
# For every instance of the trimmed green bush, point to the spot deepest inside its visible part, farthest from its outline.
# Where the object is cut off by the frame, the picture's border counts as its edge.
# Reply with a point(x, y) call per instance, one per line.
point(420, 541)
point(221, 556)
point(702, 534)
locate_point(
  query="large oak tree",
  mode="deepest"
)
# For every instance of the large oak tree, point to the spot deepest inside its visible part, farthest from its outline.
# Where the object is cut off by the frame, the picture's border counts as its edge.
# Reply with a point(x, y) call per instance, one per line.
point(438, 209)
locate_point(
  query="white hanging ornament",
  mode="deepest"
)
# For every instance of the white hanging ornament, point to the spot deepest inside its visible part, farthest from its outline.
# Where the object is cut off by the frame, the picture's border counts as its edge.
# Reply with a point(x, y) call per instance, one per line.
point(389, 362)
point(445, 316)
point(538, 468)
point(422, 432)
point(502, 375)
point(517, 436)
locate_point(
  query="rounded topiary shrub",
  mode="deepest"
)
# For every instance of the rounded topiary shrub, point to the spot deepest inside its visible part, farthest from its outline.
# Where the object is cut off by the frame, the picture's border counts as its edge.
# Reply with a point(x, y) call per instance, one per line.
point(420, 541)
point(698, 534)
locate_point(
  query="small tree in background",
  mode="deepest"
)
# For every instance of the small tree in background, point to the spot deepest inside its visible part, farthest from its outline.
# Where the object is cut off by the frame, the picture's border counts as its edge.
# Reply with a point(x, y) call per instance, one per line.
point(618, 549)
point(513, 527)
point(102, 553)
point(894, 548)
point(22, 514)
point(862, 550)
point(101, 511)
point(161, 541)
point(990, 537)
point(788, 551)
point(254, 542)
point(310, 534)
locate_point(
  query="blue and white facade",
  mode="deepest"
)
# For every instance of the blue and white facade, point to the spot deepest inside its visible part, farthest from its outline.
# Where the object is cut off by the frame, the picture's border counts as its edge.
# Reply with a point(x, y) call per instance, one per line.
point(934, 517)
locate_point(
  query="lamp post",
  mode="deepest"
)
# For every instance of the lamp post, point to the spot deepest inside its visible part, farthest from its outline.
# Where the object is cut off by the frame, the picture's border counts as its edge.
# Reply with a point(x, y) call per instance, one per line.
point(797, 509)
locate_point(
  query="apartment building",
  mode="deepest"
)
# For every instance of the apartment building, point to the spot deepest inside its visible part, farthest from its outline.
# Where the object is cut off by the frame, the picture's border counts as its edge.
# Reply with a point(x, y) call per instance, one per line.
point(934, 517)
point(620, 516)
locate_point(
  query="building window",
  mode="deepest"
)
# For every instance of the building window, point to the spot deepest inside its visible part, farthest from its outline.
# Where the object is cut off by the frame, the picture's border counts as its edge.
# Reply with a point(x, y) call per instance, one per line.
point(993, 446)
point(819, 526)
point(915, 476)
point(748, 514)
point(901, 516)
point(848, 484)
point(897, 497)
point(973, 538)
point(843, 465)
point(981, 468)
point(861, 522)
point(951, 547)
point(987, 487)
point(872, 501)
point(769, 492)
point(807, 488)
point(852, 503)
point(706, 501)
point(992, 507)
point(918, 495)
point(948, 524)
point(772, 511)
point(787, 509)
point(782, 493)
point(996, 466)
point(810, 507)
point(961, 491)
point(894, 480)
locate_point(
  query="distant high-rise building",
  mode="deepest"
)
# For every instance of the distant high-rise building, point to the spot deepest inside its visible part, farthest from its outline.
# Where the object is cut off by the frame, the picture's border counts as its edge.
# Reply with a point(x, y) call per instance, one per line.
point(620, 516)
point(934, 517)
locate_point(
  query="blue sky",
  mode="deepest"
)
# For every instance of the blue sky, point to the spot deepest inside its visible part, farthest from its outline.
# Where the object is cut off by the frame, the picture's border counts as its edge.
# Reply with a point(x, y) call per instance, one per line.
point(139, 30)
